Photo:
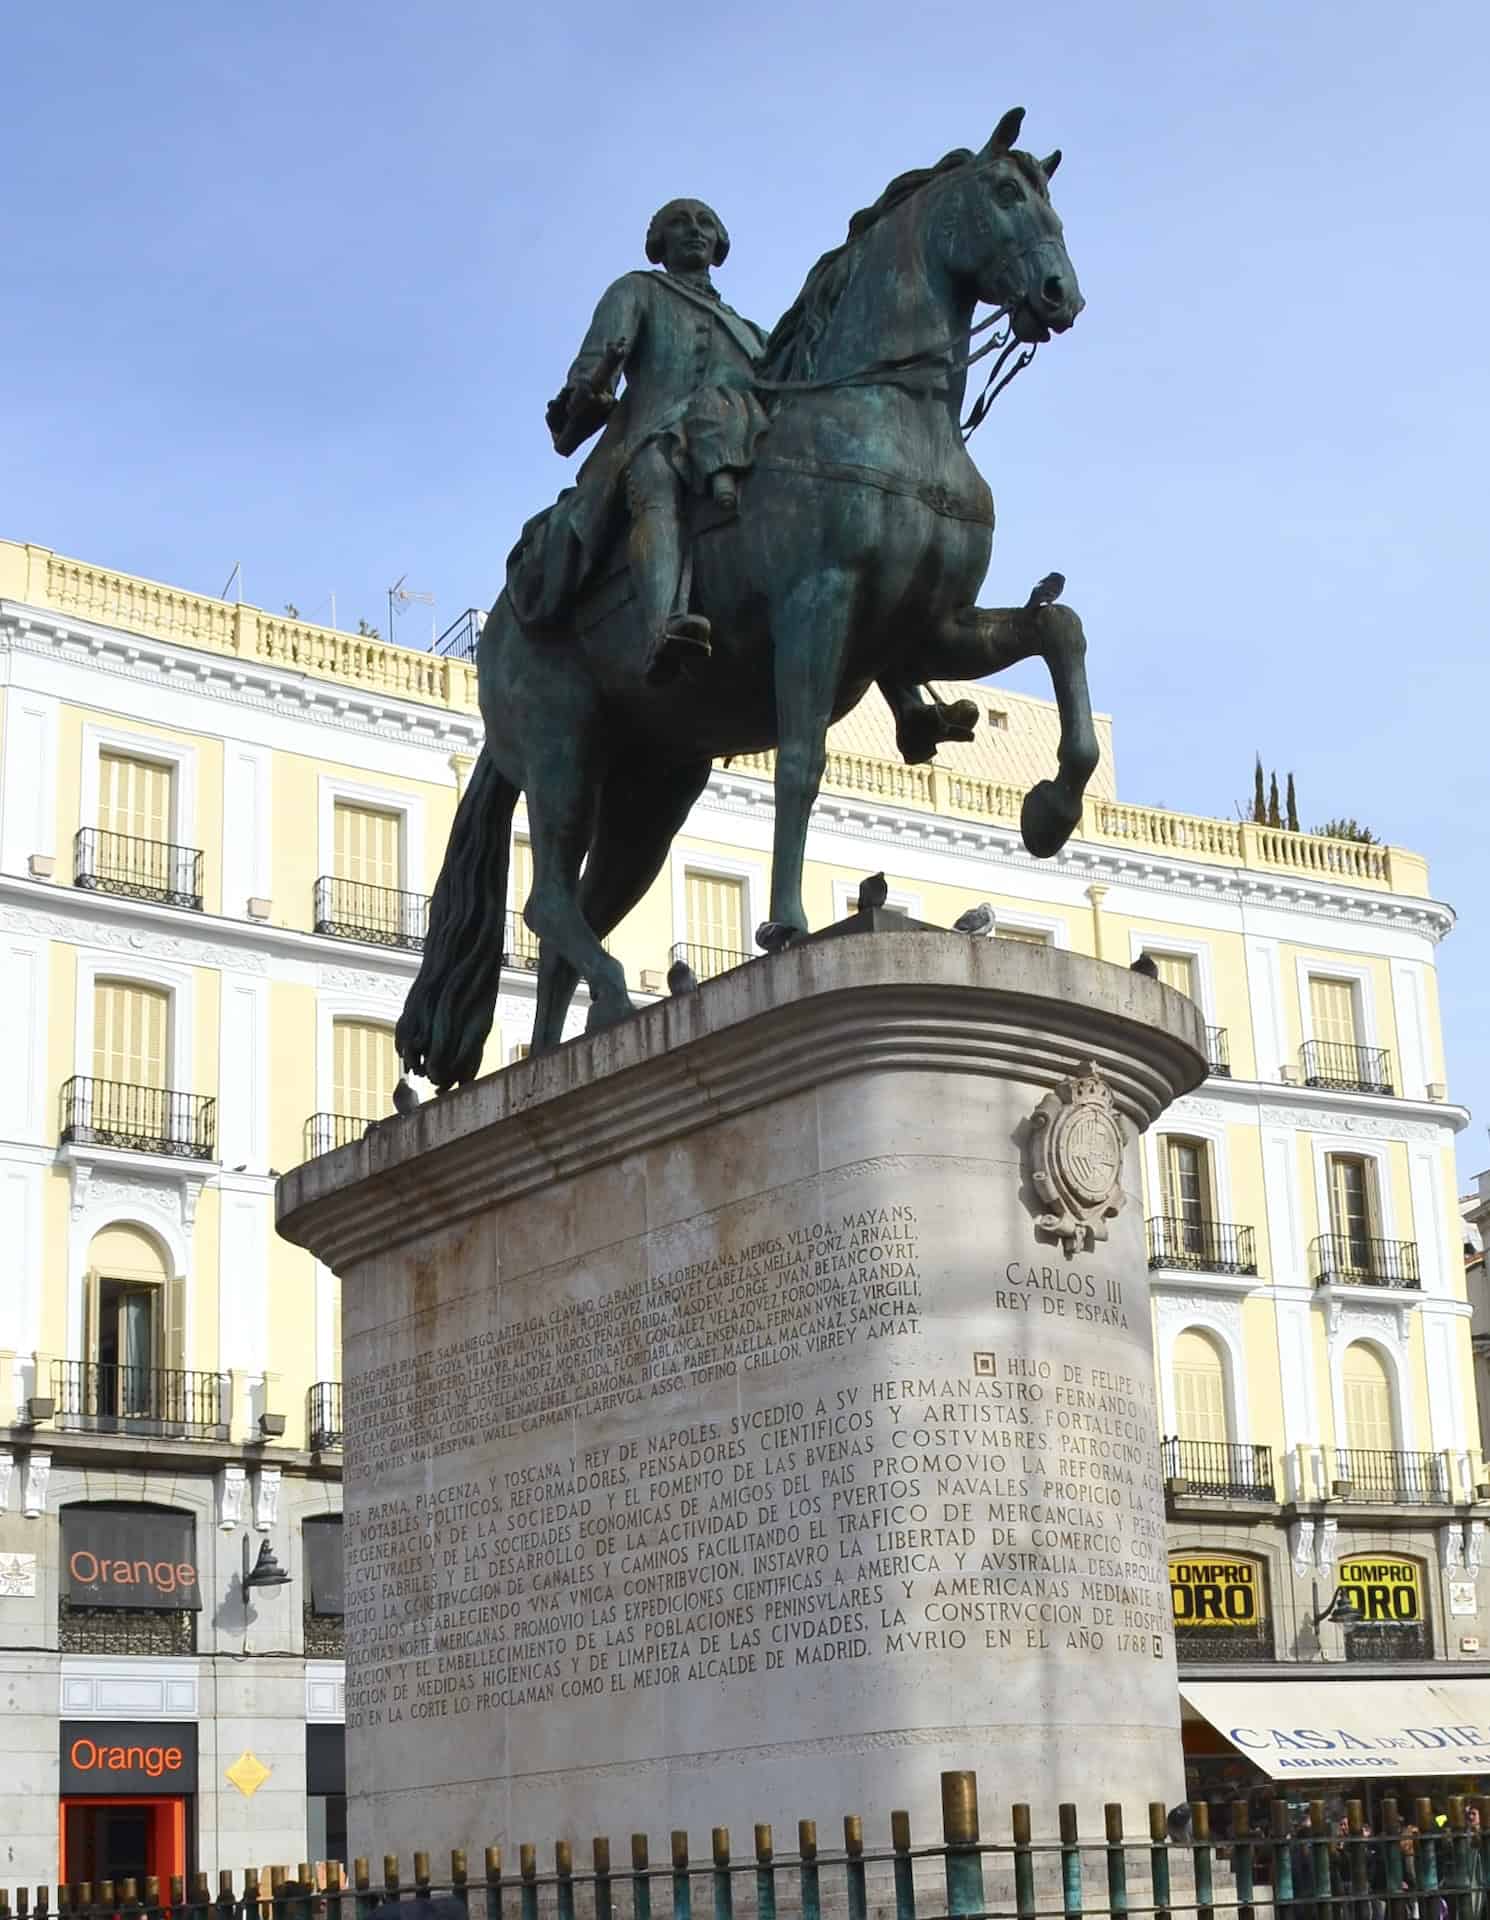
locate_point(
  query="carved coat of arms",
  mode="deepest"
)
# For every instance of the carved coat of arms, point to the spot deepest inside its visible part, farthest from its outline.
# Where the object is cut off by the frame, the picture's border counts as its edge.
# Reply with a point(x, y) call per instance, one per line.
point(1076, 1160)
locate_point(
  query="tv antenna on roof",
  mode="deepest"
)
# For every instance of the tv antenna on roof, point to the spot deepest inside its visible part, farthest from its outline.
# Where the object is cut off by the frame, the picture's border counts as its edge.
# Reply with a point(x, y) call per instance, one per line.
point(400, 596)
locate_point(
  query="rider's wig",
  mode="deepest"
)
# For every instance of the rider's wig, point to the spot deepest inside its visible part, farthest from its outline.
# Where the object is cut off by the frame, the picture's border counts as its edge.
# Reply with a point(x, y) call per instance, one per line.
point(654, 230)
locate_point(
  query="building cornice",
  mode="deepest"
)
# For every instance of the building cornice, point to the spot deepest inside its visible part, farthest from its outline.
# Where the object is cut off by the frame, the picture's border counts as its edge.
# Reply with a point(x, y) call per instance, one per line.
point(1367, 1116)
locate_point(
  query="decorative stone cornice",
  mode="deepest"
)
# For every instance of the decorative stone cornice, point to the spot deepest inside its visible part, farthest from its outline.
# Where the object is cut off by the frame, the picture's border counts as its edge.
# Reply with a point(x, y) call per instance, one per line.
point(825, 1010)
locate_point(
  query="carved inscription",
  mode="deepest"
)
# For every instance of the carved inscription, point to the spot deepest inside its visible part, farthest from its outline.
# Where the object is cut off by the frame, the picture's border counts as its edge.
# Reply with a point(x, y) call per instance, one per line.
point(904, 1510)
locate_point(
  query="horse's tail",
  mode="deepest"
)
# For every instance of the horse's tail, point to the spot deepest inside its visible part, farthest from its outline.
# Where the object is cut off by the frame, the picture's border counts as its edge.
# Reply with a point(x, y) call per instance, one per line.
point(448, 1013)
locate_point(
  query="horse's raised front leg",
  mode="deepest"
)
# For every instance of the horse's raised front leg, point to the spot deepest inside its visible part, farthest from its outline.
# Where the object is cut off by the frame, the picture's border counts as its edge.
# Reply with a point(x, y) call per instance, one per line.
point(981, 640)
point(809, 631)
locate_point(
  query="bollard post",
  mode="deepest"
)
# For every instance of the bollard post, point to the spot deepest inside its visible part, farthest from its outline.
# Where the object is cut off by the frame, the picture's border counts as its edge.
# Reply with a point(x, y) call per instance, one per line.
point(492, 1870)
point(964, 1862)
point(1427, 1859)
point(600, 1862)
point(765, 1873)
point(1241, 1860)
point(853, 1848)
point(1461, 1907)
point(641, 1885)
point(1117, 1861)
point(1071, 1895)
point(1282, 1860)
point(724, 1892)
point(682, 1885)
point(1359, 1865)
point(807, 1877)
point(362, 1888)
point(1204, 1858)
point(460, 1890)
point(905, 1867)
point(527, 1868)
point(564, 1879)
point(1159, 1859)
point(1398, 1904)
point(1024, 1861)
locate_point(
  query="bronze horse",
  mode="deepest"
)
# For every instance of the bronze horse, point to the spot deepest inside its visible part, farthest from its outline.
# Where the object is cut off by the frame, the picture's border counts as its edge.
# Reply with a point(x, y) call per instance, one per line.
point(862, 536)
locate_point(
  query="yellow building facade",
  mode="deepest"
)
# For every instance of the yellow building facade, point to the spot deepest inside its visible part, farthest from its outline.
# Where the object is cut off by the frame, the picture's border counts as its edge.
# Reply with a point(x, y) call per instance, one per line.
point(218, 832)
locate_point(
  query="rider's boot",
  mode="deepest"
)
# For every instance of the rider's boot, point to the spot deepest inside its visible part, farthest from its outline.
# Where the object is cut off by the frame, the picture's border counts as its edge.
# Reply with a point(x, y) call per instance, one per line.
point(655, 547)
point(922, 725)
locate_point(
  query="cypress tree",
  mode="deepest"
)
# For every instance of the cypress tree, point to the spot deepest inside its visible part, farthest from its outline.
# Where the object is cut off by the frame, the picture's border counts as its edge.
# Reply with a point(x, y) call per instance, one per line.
point(1293, 808)
point(1259, 802)
point(1275, 818)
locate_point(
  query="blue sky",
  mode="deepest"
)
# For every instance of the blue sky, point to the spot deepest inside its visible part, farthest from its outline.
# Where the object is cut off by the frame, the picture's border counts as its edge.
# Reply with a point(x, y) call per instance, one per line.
point(290, 285)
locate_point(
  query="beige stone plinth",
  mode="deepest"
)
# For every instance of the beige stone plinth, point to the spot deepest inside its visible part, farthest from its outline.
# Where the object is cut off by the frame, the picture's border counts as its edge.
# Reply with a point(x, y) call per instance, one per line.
point(725, 1439)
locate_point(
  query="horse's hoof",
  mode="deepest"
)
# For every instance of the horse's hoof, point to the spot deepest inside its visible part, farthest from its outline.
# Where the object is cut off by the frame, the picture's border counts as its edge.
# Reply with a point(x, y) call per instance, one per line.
point(608, 1013)
point(1046, 820)
point(773, 936)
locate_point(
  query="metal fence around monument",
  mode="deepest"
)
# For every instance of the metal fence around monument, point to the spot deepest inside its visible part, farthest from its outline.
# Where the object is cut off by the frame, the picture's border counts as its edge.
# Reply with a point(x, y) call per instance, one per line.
point(1287, 1860)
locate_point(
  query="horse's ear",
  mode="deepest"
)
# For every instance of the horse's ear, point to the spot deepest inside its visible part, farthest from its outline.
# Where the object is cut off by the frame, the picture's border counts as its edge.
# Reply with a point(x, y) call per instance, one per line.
point(1006, 132)
point(1051, 161)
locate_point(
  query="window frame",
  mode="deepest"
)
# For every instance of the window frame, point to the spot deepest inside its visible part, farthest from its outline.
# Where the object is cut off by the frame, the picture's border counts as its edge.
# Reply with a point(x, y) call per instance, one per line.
point(93, 965)
point(1325, 967)
point(1228, 1337)
point(179, 757)
point(331, 787)
point(1197, 952)
point(709, 865)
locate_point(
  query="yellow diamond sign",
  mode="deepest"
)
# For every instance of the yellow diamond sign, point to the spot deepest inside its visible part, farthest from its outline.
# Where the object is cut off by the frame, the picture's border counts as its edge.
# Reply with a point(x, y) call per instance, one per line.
point(248, 1773)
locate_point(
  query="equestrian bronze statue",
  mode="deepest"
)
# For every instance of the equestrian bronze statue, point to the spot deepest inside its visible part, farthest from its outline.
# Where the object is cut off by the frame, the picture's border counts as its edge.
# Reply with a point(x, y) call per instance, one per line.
point(765, 529)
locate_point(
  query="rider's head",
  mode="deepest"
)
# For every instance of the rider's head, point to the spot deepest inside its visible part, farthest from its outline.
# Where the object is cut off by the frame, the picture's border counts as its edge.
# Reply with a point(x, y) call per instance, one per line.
point(686, 236)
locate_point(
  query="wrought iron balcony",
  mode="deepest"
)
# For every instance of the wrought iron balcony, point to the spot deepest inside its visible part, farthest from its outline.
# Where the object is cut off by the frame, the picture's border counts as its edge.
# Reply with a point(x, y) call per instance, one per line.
point(380, 916)
point(708, 961)
point(324, 1132)
point(140, 869)
point(522, 944)
point(1360, 1260)
point(1391, 1478)
point(461, 638)
point(323, 1415)
point(111, 1113)
point(1383, 1641)
point(1219, 1469)
point(1346, 1068)
point(168, 1402)
point(1224, 1645)
point(1218, 1053)
point(1201, 1246)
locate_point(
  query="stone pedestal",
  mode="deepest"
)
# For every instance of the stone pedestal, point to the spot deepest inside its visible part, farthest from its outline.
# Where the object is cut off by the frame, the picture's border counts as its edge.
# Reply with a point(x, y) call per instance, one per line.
point(750, 1410)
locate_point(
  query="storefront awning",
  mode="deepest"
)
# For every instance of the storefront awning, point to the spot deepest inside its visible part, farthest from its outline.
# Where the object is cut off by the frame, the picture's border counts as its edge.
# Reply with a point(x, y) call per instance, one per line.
point(1316, 1729)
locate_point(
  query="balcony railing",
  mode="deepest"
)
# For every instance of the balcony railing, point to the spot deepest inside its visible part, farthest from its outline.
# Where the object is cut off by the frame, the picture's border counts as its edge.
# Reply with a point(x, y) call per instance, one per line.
point(1224, 1645)
point(1360, 1260)
point(111, 1113)
point(707, 961)
point(140, 869)
point(324, 1132)
point(1201, 1246)
point(381, 916)
point(93, 1397)
point(461, 638)
point(1219, 1469)
point(1391, 1478)
point(522, 944)
point(323, 1415)
point(1218, 1053)
point(1346, 1068)
point(1383, 1641)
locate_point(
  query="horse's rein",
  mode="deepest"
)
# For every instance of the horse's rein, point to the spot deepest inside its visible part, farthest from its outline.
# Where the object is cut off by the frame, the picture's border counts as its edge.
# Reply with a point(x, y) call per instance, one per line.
point(929, 360)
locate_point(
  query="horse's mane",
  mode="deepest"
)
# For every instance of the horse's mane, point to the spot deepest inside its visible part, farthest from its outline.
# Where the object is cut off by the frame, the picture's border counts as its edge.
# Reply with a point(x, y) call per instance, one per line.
point(791, 352)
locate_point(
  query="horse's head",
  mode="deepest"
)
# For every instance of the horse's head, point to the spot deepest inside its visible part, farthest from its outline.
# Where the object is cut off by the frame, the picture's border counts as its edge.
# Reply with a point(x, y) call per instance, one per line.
point(1009, 244)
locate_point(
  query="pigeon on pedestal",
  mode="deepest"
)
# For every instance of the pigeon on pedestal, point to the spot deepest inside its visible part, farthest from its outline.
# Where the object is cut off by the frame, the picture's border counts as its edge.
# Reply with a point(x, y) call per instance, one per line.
point(681, 978)
point(872, 892)
point(978, 922)
point(405, 1099)
point(1144, 964)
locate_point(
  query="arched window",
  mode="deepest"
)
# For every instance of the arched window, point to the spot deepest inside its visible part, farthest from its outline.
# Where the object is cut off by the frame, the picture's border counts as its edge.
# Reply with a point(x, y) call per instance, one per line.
point(1369, 1424)
point(1200, 1389)
point(364, 1069)
point(135, 1312)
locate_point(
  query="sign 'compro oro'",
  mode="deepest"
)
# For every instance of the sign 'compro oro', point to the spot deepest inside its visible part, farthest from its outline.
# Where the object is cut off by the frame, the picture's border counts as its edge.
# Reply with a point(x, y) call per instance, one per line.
point(1216, 1590)
point(1387, 1588)
point(123, 1556)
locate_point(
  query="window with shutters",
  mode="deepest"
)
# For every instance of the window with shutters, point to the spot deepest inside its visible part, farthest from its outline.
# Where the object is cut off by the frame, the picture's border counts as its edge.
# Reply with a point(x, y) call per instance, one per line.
point(1368, 1400)
point(1352, 1210)
point(1186, 1196)
point(1200, 1388)
point(715, 914)
point(1176, 970)
point(134, 796)
point(1333, 1011)
point(365, 1069)
point(131, 1025)
point(368, 845)
point(522, 942)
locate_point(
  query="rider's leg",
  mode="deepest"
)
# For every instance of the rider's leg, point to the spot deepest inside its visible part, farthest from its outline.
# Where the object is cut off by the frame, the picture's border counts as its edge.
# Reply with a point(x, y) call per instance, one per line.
point(654, 495)
point(921, 725)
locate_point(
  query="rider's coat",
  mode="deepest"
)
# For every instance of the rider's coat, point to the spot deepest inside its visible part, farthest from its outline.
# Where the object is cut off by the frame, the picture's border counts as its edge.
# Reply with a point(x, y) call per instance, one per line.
point(688, 363)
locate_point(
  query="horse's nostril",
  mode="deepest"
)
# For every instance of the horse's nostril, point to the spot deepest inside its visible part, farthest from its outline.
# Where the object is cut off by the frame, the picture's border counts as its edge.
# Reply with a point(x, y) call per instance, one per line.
point(1054, 290)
